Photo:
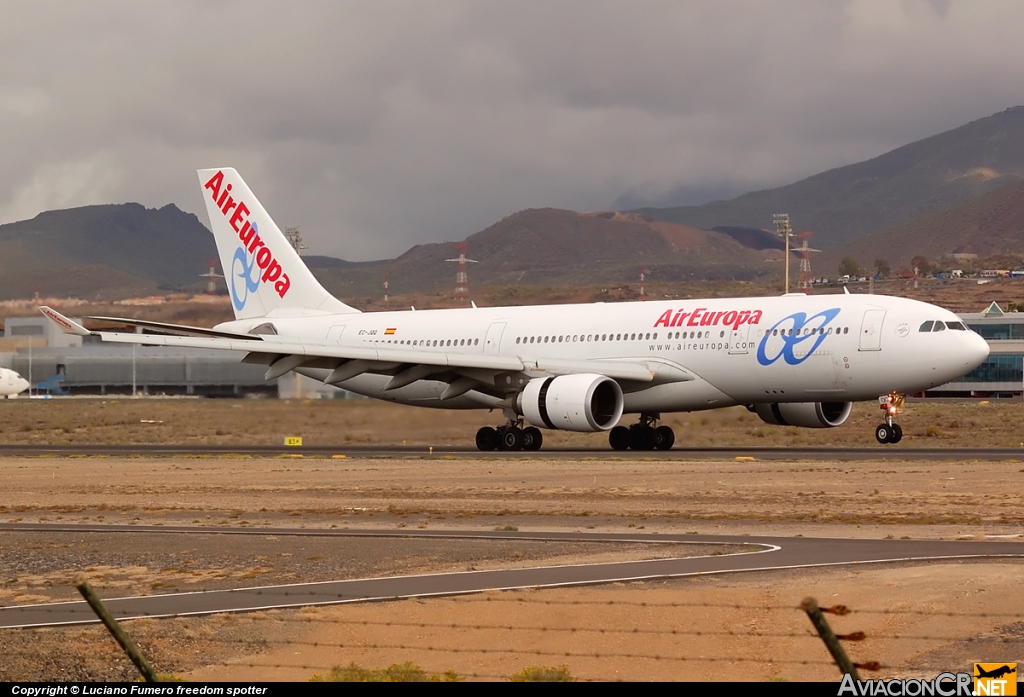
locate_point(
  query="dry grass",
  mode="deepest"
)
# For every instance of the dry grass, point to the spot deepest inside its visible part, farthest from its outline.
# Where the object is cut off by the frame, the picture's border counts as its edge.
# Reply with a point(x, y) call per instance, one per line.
point(942, 423)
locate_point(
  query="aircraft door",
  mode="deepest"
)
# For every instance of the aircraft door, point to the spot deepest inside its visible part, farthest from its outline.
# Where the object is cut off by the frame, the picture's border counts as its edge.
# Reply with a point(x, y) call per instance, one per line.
point(871, 330)
point(492, 341)
point(739, 339)
point(335, 332)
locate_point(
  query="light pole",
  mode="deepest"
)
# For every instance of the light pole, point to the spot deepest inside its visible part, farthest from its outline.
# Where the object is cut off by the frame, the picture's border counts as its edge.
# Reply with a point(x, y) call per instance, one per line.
point(782, 228)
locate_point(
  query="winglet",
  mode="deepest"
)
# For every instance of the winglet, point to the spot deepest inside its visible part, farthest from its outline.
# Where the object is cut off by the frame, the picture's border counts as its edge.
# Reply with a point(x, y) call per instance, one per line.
point(66, 325)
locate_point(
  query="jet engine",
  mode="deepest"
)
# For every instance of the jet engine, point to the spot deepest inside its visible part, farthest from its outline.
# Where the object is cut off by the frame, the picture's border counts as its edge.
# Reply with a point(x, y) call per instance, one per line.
point(584, 402)
point(805, 414)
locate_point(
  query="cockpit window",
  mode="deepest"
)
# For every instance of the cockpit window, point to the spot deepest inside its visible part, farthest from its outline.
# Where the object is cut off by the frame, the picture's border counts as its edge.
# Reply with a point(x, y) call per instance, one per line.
point(927, 326)
point(939, 327)
point(958, 326)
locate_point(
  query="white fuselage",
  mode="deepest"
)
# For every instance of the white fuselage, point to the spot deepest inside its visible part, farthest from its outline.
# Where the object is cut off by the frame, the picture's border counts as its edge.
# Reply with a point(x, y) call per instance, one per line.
point(706, 353)
point(11, 383)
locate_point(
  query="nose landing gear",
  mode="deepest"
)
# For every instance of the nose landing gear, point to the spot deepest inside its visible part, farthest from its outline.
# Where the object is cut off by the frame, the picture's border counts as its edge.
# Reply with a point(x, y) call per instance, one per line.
point(889, 432)
point(643, 435)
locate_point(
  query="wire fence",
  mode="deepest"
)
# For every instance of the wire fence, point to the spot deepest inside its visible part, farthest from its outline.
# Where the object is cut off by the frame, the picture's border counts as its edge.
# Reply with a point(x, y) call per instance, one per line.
point(490, 636)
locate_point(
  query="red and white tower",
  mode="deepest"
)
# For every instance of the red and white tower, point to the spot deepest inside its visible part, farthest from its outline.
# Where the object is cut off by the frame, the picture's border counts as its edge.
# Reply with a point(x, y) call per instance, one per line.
point(805, 259)
point(462, 278)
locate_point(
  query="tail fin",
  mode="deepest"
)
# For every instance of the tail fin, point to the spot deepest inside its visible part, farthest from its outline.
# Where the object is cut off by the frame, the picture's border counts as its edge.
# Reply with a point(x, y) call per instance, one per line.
point(264, 274)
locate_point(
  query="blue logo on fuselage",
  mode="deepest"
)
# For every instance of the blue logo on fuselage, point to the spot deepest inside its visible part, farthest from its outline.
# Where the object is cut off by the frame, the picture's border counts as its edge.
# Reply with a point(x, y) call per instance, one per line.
point(791, 332)
point(242, 266)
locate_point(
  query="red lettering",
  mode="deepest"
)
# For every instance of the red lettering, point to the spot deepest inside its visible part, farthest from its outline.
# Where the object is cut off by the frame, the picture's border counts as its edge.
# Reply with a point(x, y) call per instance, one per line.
point(247, 233)
point(237, 216)
point(228, 206)
point(729, 317)
point(664, 320)
point(707, 320)
point(695, 316)
point(283, 285)
point(223, 196)
point(214, 184)
point(718, 316)
point(742, 318)
point(755, 317)
point(273, 272)
point(263, 258)
point(678, 322)
point(255, 244)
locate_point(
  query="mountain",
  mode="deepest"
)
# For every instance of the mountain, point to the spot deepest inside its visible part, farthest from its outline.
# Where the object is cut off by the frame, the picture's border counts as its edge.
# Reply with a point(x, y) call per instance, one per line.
point(843, 204)
point(118, 248)
point(549, 246)
point(988, 226)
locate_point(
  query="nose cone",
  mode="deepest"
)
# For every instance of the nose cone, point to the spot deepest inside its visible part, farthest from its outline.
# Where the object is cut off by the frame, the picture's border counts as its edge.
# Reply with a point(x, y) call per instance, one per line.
point(975, 352)
point(21, 384)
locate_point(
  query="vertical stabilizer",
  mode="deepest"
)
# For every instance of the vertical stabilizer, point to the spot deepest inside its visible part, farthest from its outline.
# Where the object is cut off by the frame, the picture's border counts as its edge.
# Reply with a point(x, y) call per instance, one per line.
point(264, 274)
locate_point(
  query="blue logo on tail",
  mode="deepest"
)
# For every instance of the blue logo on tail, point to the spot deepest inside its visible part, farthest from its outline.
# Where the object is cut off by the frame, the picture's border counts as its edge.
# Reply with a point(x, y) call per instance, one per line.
point(242, 266)
point(790, 332)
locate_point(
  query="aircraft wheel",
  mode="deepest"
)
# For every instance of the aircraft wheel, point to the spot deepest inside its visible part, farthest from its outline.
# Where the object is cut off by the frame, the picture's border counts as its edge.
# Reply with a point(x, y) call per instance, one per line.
point(641, 437)
point(618, 438)
point(897, 434)
point(510, 438)
point(664, 438)
point(486, 439)
point(532, 438)
point(883, 433)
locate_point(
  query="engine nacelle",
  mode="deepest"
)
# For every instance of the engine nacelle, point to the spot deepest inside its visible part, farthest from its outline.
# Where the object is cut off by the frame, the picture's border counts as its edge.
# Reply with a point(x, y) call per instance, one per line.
point(805, 414)
point(582, 402)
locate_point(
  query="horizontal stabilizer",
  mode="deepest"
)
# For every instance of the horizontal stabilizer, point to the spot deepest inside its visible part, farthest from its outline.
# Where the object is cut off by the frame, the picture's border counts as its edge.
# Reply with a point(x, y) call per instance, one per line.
point(68, 326)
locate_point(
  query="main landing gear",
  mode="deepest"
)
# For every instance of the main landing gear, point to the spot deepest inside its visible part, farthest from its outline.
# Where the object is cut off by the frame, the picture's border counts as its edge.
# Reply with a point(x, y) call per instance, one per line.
point(511, 436)
point(643, 435)
point(890, 432)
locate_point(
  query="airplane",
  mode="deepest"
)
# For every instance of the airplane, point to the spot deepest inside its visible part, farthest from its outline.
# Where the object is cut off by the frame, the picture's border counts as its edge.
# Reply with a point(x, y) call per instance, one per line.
point(995, 673)
point(793, 360)
point(11, 383)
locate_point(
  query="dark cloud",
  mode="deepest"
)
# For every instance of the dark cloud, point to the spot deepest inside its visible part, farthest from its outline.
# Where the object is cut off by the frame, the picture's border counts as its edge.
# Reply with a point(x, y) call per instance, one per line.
point(375, 126)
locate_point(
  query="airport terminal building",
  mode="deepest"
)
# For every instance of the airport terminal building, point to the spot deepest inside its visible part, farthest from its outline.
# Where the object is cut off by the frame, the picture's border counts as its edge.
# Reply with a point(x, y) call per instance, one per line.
point(1002, 373)
point(61, 364)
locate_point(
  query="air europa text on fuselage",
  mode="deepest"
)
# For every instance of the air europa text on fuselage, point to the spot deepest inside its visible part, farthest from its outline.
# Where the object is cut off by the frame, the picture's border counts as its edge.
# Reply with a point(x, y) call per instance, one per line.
point(702, 318)
point(236, 212)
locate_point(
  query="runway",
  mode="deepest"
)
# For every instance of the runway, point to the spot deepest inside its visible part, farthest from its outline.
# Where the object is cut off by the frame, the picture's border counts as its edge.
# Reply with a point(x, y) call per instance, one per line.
point(766, 554)
point(422, 451)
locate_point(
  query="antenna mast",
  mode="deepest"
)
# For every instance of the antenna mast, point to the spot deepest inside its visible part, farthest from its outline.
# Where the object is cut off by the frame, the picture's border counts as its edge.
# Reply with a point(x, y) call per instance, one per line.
point(462, 278)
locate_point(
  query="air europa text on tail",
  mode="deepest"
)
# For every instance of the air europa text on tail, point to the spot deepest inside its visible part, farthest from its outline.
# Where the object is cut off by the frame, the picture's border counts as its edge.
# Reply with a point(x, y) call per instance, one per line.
point(237, 214)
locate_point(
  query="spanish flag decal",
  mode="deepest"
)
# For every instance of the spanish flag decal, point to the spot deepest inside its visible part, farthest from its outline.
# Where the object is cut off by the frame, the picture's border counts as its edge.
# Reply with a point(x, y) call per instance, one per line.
point(389, 331)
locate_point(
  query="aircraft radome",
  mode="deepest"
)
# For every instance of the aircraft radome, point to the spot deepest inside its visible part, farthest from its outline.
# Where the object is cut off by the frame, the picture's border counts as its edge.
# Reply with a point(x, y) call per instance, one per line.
point(11, 383)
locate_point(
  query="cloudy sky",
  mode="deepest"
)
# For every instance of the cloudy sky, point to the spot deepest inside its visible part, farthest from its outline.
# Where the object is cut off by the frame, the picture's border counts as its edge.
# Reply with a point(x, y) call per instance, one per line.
point(378, 125)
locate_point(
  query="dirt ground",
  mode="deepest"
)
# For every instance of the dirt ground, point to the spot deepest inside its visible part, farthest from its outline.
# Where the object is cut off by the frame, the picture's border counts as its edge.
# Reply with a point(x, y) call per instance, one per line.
point(920, 620)
point(926, 423)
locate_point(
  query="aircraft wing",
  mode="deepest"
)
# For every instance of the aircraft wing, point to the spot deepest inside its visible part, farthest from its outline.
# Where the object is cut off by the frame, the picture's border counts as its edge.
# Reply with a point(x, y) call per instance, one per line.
point(462, 371)
point(179, 329)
